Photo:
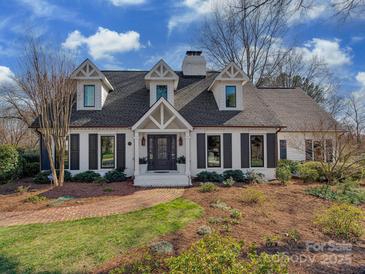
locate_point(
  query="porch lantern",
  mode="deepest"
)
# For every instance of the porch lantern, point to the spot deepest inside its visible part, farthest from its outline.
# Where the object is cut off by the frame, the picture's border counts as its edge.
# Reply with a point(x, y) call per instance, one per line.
point(143, 141)
point(180, 141)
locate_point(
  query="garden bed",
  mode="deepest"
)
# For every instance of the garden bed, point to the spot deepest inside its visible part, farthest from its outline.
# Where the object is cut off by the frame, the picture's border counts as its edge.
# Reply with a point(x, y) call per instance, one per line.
point(81, 193)
point(286, 208)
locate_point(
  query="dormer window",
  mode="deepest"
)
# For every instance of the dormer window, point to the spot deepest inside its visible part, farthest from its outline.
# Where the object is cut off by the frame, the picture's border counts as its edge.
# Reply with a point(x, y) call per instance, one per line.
point(161, 91)
point(89, 95)
point(230, 96)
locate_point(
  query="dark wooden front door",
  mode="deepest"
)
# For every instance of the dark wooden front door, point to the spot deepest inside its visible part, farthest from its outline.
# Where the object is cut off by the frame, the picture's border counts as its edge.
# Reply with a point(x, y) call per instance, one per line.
point(161, 152)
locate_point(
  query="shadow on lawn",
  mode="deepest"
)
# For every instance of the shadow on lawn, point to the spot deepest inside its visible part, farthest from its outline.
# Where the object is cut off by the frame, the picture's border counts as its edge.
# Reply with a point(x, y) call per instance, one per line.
point(8, 265)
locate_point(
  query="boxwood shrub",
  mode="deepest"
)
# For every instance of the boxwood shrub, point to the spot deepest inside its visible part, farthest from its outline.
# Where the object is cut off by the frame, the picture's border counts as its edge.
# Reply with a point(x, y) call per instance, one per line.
point(86, 176)
point(115, 175)
point(283, 174)
point(10, 163)
point(236, 175)
point(209, 176)
point(311, 172)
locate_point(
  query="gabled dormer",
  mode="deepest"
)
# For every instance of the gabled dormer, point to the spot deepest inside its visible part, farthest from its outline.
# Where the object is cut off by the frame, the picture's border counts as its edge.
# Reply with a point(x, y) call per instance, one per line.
point(92, 86)
point(227, 88)
point(161, 81)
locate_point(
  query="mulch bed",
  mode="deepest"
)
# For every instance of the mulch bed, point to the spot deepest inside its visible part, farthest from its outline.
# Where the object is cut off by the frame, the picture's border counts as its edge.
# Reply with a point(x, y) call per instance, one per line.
point(286, 207)
point(82, 193)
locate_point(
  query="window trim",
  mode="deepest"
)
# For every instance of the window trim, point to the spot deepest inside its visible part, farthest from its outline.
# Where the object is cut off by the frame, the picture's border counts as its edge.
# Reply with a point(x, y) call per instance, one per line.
point(235, 96)
point(167, 91)
point(263, 150)
point(89, 106)
point(220, 148)
point(286, 149)
point(100, 152)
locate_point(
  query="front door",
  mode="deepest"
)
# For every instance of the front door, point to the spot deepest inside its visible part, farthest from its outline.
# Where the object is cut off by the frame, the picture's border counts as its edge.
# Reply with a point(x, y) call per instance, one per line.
point(162, 152)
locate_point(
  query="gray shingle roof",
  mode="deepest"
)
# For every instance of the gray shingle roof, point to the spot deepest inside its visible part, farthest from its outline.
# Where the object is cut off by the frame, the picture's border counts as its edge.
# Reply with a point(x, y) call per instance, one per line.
point(130, 100)
point(296, 110)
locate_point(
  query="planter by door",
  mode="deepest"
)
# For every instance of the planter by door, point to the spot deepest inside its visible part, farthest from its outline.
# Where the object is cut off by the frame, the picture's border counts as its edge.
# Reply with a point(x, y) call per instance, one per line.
point(161, 152)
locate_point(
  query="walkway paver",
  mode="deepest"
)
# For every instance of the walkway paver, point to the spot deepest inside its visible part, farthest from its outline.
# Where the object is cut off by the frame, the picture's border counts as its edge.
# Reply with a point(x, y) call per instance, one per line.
point(138, 200)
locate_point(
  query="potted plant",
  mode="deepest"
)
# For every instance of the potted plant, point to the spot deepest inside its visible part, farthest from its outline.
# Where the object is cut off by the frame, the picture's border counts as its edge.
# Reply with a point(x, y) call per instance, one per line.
point(181, 164)
point(143, 165)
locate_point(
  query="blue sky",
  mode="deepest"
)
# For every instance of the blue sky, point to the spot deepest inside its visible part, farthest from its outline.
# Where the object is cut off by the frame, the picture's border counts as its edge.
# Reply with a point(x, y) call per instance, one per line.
point(135, 34)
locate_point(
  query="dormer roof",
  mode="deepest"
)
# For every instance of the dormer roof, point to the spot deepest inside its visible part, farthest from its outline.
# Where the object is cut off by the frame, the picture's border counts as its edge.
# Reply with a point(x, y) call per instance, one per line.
point(161, 71)
point(89, 71)
point(231, 72)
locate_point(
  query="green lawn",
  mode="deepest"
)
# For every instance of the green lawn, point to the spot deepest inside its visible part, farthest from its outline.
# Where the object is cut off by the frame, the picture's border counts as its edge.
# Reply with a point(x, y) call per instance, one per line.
point(80, 246)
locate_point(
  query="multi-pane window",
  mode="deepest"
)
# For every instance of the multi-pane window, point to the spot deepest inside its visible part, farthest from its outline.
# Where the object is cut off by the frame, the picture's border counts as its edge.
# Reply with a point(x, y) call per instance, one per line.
point(107, 151)
point(318, 150)
point(257, 150)
point(230, 96)
point(89, 95)
point(214, 150)
point(329, 150)
point(308, 150)
point(161, 91)
point(283, 152)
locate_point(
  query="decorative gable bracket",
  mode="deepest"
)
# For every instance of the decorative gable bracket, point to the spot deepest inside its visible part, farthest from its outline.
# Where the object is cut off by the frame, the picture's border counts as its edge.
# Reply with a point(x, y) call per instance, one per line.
point(231, 72)
point(161, 72)
point(89, 71)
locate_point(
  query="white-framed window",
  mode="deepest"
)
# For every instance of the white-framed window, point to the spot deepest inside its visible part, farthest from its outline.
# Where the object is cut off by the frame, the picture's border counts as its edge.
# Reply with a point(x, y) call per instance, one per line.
point(231, 96)
point(107, 151)
point(214, 150)
point(319, 150)
point(257, 150)
point(89, 95)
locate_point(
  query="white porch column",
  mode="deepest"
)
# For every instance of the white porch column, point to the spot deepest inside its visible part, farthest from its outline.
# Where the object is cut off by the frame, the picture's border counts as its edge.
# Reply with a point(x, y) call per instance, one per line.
point(136, 153)
point(187, 153)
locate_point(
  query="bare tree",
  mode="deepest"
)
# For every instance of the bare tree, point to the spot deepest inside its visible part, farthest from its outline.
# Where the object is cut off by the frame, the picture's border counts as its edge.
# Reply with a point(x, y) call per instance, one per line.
point(355, 116)
point(346, 8)
point(46, 90)
point(250, 38)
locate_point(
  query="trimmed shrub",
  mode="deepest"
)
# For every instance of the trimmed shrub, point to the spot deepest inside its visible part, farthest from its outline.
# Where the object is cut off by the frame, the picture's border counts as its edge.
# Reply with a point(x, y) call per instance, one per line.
point(86, 176)
point(292, 165)
point(212, 254)
point(30, 169)
point(161, 248)
point(42, 177)
point(207, 187)
point(253, 177)
point(229, 182)
point(207, 176)
point(252, 196)
point(204, 230)
point(237, 175)
point(115, 175)
point(10, 163)
point(341, 221)
point(310, 172)
point(283, 174)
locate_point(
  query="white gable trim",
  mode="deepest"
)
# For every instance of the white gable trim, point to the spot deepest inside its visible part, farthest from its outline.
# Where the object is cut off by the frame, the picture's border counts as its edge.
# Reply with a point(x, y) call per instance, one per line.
point(161, 70)
point(162, 125)
point(87, 70)
point(231, 72)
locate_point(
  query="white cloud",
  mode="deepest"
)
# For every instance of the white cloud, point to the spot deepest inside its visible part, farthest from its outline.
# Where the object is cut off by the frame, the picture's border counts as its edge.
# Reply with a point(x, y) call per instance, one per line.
point(104, 43)
point(194, 10)
point(6, 76)
point(329, 51)
point(305, 15)
point(360, 77)
point(120, 3)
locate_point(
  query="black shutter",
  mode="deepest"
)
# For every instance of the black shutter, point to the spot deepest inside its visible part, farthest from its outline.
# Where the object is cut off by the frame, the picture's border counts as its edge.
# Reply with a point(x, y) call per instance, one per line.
point(227, 150)
point(121, 151)
point(200, 149)
point(75, 152)
point(45, 164)
point(245, 150)
point(93, 151)
point(271, 150)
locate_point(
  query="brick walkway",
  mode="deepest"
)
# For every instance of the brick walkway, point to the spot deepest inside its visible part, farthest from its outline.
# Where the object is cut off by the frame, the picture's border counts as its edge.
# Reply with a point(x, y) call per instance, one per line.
point(138, 200)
